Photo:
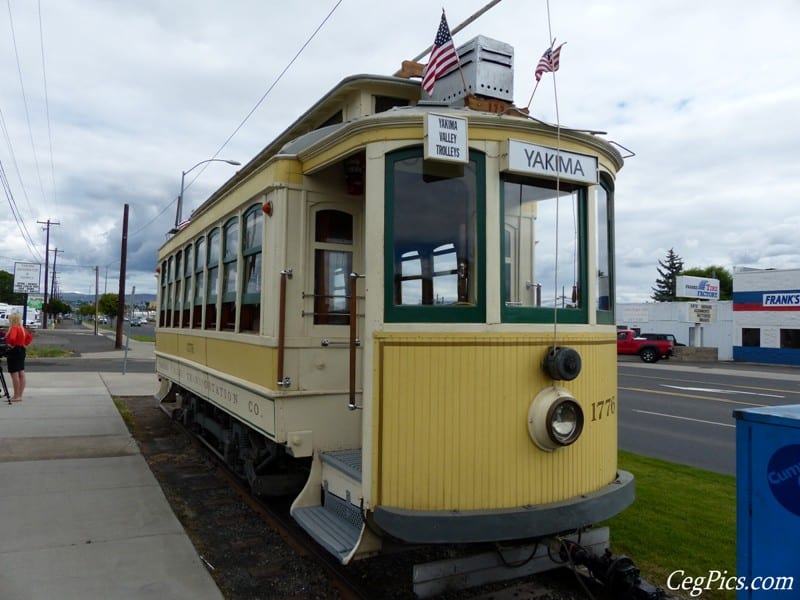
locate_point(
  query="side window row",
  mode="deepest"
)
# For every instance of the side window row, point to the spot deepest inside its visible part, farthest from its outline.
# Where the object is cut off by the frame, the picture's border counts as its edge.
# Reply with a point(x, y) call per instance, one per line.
point(200, 283)
point(204, 284)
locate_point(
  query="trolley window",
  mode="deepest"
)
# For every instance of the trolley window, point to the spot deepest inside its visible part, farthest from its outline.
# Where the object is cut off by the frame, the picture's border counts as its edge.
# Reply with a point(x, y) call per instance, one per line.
point(543, 266)
point(251, 275)
point(162, 317)
point(434, 246)
point(604, 219)
point(188, 269)
point(199, 281)
point(170, 290)
point(333, 263)
point(178, 296)
point(230, 261)
point(212, 280)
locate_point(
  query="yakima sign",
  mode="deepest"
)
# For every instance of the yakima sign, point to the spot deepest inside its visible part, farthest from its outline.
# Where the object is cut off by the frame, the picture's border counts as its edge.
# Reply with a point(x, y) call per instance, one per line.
point(530, 159)
point(696, 287)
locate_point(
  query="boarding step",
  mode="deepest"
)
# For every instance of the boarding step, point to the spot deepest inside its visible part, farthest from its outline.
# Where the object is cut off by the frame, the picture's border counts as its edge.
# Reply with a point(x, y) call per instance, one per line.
point(346, 461)
point(337, 524)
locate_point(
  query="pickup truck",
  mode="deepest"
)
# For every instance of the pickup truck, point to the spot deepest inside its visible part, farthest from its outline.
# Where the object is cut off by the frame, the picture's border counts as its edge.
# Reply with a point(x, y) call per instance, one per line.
point(661, 336)
point(648, 350)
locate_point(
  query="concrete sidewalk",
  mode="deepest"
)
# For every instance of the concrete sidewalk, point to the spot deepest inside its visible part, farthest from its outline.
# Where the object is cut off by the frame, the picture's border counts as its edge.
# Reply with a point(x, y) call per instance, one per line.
point(81, 514)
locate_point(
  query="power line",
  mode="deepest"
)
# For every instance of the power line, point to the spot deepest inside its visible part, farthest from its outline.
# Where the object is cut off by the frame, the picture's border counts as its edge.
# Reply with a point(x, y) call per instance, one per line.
point(26, 236)
point(47, 105)
point(24, 99)
point(263, 97)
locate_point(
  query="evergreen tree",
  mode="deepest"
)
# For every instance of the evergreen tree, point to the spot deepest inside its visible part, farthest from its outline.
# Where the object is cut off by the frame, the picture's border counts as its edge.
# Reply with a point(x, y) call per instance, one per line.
point(664, 291)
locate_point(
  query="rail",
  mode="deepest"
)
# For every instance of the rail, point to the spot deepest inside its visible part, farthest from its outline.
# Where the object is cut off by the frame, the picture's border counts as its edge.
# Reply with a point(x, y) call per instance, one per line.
point(283, 381)
point(354, 341)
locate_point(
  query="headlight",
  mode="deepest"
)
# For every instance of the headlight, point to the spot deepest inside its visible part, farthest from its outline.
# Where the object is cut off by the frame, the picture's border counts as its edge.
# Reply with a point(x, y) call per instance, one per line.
point(555, 419)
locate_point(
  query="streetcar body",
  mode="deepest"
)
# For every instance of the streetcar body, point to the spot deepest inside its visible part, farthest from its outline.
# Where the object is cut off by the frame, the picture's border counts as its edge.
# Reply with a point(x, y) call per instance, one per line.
point(401, 313)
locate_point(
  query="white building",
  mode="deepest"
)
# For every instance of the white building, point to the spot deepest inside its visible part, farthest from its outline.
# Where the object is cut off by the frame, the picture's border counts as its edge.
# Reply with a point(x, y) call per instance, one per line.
point(766, 308)
point(678, 319)
point(761, 324)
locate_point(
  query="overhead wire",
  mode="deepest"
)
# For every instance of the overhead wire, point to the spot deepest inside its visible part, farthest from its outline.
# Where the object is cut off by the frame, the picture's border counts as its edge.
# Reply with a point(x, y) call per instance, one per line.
point(269, 89)
point(246, 118)
point(14, 158)
point(24, 100)
point(26, 236)
point(47, 105)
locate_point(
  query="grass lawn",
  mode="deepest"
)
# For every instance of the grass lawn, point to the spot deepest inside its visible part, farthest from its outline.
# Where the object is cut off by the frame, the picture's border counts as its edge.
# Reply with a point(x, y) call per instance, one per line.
point(683, 518)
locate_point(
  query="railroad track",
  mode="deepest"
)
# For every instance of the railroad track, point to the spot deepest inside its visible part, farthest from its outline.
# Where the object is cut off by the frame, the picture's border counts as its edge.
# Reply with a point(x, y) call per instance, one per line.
point(253, 548)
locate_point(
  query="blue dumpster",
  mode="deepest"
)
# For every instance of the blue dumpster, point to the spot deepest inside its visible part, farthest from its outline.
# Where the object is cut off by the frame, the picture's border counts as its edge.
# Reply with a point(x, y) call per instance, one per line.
point(768, 502)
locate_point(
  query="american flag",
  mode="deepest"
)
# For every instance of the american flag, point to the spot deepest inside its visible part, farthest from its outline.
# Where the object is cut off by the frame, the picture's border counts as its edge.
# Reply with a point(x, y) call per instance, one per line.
point(549, 61)
point(443, 57)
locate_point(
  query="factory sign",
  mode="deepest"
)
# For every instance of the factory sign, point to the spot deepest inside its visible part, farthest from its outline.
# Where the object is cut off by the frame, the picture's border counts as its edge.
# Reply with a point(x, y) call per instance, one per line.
point(696, 287)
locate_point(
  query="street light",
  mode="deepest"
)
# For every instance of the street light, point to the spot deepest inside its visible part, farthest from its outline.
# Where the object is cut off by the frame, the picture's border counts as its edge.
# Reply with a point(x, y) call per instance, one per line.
point(183, 178)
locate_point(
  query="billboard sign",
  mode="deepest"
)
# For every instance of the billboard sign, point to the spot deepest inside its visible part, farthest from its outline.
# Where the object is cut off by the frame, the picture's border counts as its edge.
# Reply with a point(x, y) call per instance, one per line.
point(26, 278)
point(701, 312)
point(696, 287)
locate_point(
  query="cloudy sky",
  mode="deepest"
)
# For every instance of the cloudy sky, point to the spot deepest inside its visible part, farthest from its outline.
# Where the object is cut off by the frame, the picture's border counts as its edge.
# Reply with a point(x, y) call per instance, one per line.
point(105, 103)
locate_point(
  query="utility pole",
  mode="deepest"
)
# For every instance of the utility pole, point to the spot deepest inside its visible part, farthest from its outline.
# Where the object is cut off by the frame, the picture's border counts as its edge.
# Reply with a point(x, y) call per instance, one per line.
point(46, 258)
point(123, 257)
point(53, 282)
point(96, 296)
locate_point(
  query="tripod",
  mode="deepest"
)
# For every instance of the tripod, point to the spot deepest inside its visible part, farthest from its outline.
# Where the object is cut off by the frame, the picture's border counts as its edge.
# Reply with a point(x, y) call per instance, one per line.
point(3, 384)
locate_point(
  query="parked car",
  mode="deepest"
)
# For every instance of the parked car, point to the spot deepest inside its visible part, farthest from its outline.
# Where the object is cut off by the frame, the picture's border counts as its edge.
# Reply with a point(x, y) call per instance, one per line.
point(102, 319)
point(138, 322)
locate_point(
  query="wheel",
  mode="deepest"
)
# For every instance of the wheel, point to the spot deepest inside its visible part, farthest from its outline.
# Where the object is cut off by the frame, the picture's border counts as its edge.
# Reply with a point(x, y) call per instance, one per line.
point(648, 355)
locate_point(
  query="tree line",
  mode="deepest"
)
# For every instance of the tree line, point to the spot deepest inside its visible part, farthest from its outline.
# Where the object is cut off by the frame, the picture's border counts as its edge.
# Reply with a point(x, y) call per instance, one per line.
point(107, 303)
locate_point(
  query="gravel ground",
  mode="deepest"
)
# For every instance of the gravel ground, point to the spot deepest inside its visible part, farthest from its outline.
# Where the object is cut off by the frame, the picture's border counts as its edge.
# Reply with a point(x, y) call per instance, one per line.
point(248, 559)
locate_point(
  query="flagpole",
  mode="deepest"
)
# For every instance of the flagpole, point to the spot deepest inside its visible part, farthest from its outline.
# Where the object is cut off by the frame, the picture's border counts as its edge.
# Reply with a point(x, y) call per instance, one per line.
point(474, 16)
point(532, 93)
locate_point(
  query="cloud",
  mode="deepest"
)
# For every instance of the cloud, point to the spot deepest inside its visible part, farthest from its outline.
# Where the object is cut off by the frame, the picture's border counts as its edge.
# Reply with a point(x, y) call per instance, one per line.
point(139, 92)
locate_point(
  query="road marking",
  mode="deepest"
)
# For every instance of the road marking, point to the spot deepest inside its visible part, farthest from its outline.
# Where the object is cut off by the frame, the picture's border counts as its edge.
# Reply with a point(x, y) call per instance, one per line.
point(683, 395)
point(720, 391)
point(647, 412)
point(746, 387)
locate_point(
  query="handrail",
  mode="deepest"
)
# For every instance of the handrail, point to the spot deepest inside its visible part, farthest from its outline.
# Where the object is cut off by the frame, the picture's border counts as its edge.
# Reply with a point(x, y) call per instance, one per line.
point(354, 277)
point(283, 382)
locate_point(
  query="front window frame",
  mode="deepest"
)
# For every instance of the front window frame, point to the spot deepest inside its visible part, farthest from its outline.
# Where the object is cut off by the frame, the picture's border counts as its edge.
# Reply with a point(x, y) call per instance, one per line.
point(433, 313)
point(605, 315)
point(510, 313)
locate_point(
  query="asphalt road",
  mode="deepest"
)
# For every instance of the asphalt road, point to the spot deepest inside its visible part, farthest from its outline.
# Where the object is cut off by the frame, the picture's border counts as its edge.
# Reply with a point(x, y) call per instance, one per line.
point(684, 413)
point(80, 340)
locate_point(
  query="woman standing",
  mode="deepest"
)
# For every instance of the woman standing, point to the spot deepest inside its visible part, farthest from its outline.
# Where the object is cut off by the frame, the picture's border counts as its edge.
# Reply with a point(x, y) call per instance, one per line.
point(17, 338)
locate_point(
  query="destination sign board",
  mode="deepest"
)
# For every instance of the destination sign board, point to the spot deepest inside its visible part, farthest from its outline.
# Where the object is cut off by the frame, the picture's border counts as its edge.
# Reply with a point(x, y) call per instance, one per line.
point(531, 159)
point(446, 138)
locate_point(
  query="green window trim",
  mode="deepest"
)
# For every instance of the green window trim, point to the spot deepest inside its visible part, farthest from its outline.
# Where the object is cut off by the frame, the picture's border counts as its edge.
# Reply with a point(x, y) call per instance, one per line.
point(549, 314)
point(450, 313)
point(251, 249)
point(608, 316)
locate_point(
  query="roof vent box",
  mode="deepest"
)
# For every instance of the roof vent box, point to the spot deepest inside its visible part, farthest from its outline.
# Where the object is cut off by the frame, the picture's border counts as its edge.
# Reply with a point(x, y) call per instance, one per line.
point(488, 67)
